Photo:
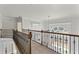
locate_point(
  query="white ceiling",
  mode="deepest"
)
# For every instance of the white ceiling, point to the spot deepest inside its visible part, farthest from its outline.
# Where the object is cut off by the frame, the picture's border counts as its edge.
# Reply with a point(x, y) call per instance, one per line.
point(39, 11)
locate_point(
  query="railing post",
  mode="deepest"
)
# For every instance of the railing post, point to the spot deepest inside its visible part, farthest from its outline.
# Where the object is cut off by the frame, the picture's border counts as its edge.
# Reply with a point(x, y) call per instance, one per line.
point(30, 36)
point(41, 37)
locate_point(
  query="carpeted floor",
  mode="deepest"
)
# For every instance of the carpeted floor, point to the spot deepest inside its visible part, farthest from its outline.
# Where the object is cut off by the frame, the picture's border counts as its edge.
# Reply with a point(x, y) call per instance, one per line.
point(39, 49)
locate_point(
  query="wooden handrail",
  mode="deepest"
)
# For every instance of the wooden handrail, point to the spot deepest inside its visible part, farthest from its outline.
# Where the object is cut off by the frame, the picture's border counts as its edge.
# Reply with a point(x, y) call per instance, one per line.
point(17, 36)
point(53, 32)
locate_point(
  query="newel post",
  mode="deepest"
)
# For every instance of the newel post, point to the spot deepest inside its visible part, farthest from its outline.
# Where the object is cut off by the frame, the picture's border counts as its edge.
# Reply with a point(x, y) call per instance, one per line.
point(30, 37)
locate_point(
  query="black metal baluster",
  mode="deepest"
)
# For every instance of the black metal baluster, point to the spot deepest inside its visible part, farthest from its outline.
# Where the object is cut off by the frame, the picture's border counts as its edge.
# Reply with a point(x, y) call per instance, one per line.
point(50, 40)
point(66, 44)
point(41, 37)
point(63, 45)
point(68, 37)
point(53, 41)
point(60, 43)
point(47, 40)
point(57, 42)
point(74, 44)
point(70, 45)
point(78, 44)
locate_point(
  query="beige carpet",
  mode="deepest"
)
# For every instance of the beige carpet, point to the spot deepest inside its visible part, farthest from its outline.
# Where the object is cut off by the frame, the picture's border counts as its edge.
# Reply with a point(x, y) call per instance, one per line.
point(39, 49)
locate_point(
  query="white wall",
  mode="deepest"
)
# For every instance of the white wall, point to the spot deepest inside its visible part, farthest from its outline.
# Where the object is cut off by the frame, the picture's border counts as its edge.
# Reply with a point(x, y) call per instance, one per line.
point(75, 26)
point(74, 21)
point(26, 23)
point(0, 22)
point(7, 22)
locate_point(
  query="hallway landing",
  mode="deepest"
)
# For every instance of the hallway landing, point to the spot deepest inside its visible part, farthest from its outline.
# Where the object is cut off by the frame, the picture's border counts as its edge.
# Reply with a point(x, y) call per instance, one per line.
point(39, 49)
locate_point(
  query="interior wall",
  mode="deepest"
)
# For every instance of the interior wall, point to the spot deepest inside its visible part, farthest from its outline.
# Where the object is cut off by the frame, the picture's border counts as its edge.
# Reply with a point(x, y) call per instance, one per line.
point(8, 22)
point(0, 22)
point(27, 23)
point(74, 21)
point(75, 26)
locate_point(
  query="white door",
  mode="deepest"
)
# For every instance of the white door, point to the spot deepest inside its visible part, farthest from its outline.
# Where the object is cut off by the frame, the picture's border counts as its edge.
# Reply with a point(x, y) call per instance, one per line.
point(19, 26)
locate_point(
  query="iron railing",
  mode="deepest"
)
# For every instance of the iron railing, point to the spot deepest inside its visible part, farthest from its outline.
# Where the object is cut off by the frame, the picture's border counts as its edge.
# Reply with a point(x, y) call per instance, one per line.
point(60, 42)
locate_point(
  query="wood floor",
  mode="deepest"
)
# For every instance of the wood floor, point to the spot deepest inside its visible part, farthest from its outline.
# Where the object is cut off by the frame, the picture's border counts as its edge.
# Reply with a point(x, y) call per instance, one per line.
point(39, 49)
